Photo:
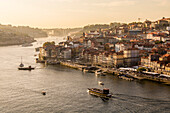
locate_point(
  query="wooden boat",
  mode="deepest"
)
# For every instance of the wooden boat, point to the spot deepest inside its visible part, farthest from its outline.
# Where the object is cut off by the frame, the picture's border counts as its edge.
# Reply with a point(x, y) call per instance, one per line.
point(100, 93)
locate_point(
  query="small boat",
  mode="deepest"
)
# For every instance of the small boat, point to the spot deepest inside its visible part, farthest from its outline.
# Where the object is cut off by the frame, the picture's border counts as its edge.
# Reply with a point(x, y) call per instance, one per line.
point(26, 68)
point(125, 77)
point(90, 69)
point(103, 73)
point(37, 49)
point(43, 93)
point(103, 93)
point(99, 72)
point(101, 83)
point(21, 67)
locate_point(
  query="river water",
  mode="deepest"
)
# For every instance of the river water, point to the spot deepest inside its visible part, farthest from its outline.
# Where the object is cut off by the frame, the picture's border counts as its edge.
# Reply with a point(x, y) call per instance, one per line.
point(67, 88)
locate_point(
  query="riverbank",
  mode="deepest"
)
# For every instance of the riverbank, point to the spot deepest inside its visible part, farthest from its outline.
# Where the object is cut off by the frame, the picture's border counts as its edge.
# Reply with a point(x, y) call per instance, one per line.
point(130, 75)
point(15, 43)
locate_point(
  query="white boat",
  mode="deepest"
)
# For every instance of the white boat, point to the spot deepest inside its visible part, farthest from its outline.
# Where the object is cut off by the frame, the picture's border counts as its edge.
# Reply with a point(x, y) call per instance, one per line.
point(101, 83)
point(100, 72)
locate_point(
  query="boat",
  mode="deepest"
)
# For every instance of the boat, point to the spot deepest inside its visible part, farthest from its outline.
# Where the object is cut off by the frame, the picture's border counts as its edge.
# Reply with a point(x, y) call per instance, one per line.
point(37, 49)
point(103, 93)
point(101, 83)
point(43, 93)
point(100, 72)
point(125, 77)
point(90, 69)
point(103, 73)
point(21, 67)
point(26, 68)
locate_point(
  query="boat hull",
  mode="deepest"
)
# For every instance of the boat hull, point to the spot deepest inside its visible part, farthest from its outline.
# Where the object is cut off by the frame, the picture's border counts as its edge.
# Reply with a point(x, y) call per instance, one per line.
point(25, 68)
point(99, 94)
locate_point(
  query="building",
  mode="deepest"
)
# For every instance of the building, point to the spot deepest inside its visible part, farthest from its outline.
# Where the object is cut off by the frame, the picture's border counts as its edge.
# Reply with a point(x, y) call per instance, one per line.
point(67, 53)
point(118, 60)
point(131, 57)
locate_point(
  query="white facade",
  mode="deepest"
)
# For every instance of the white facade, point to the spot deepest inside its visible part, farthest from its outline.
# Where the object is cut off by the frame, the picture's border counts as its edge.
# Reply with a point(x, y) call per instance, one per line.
point(89, 43)
point(119, 47)
point(152, 37)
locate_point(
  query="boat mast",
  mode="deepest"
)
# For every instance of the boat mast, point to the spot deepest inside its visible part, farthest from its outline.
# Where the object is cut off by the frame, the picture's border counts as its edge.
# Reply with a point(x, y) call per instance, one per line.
point(21, 65)
point(21, 59)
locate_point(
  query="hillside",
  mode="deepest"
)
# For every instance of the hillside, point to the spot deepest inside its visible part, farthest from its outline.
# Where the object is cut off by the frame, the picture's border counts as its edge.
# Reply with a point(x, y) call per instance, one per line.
point(61, 32)
point(95, 27)
point(8, 38)
point(12, 35)
point(32, 32)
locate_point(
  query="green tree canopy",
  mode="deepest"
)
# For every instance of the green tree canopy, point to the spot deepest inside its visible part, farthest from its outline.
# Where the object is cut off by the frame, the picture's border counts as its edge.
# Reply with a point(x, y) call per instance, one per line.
point(141, 69)
point(48, 43)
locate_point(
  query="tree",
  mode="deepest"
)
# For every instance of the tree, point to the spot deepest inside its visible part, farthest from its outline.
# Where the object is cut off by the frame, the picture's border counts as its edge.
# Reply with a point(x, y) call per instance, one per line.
point(48, 43)
point(158, 42)
point(140, 69)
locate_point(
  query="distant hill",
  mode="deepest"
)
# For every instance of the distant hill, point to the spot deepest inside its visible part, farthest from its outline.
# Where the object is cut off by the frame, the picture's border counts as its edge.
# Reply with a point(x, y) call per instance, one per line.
point(8, 38)
point(61, 32)
point(74, 31)
point(32, 32)
point(91, 28)
point(95, 27)
point(12, 35)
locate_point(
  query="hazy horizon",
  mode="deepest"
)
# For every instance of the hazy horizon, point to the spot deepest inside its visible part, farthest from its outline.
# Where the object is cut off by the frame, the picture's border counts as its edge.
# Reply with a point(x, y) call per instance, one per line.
point(78, 13)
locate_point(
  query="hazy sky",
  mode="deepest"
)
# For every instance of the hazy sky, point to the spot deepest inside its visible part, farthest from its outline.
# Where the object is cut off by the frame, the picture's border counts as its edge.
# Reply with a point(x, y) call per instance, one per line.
point(75, 13)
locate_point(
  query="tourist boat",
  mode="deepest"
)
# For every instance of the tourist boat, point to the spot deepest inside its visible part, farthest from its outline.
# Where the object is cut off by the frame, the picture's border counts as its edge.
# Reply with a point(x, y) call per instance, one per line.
point(100, 93)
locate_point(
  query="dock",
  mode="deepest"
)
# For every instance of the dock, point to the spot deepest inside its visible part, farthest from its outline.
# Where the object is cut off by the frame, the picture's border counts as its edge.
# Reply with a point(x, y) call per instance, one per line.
point(72, 65)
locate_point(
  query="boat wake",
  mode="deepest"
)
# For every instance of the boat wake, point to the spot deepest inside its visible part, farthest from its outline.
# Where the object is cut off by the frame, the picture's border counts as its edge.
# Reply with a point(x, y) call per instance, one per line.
point(145, 104)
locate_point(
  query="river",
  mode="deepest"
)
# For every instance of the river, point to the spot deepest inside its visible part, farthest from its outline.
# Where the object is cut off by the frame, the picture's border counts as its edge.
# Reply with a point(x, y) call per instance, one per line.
point(67, 88)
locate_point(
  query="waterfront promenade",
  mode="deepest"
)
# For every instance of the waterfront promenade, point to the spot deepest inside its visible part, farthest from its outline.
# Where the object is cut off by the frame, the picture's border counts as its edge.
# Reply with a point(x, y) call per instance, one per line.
point(117, 72)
